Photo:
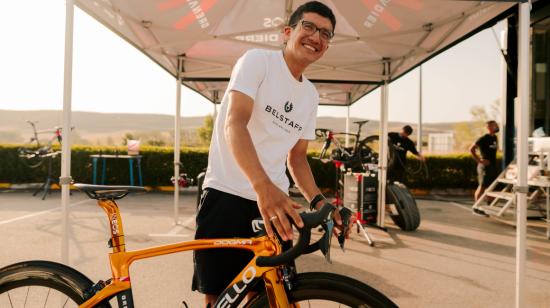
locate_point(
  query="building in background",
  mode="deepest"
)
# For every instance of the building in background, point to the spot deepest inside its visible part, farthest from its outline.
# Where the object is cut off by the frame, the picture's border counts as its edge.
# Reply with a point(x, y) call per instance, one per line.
point(441, 143)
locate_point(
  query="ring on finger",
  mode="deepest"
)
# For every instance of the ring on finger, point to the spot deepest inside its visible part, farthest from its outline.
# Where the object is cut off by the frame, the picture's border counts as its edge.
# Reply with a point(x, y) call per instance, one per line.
point(272, 218)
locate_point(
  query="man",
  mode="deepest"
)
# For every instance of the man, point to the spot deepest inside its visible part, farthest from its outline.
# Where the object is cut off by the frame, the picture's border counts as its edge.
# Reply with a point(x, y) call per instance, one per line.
point(487, 170)
point(401, 145)
point(267, 116)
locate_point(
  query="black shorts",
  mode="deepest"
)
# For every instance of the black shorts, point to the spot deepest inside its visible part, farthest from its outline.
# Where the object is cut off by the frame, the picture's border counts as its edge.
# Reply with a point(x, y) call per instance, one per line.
point(486, 174)
point(221, 215)
point(396, 174)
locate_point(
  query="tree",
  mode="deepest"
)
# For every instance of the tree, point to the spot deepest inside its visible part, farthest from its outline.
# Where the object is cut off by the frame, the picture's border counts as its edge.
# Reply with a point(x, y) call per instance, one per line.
point(128, 136)
point(205, 132)
point(467, 132)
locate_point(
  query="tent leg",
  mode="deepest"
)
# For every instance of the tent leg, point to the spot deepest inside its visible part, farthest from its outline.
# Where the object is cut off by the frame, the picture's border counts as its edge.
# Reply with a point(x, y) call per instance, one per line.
point(419, 138)
point(347, 127)
point(522, 105)
point(177, 144)
point(216, 97)
point(65, 178)
point(383, 144)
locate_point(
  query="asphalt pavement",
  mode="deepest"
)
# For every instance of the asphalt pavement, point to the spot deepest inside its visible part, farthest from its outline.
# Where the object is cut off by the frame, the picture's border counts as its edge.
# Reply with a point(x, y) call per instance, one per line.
point(454, 259)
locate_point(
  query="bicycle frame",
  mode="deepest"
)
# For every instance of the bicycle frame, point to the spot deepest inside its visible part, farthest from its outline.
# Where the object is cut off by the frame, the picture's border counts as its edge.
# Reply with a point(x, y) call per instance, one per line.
point(120, 260)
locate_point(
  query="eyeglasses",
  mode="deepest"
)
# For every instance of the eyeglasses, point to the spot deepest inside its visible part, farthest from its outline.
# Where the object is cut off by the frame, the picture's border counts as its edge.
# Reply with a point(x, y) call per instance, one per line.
point(310, 29)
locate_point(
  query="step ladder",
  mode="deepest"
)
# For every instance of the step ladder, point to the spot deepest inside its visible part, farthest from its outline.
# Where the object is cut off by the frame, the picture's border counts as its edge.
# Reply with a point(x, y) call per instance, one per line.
point(498, 198)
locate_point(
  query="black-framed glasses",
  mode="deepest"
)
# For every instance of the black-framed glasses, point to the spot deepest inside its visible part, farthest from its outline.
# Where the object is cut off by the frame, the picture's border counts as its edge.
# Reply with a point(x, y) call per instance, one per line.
point(310, 29)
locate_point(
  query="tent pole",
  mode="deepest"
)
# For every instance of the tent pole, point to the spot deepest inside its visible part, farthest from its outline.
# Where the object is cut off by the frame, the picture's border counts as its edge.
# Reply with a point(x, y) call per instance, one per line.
point(503, 84)
point(383, 144)
point(419, 138)
point(347, 119)
point(216, 97)
point(177, 142)
point(65, 178)
point(521, 190)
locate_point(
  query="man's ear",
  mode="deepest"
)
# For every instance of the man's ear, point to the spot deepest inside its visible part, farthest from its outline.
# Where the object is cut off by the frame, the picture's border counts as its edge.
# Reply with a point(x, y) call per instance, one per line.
point(286, 31)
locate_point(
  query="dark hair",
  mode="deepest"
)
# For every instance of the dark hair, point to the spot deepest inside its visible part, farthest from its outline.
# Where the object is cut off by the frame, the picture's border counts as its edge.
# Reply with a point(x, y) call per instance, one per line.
point(408, 129)
point(312, 7)
point(491, 122)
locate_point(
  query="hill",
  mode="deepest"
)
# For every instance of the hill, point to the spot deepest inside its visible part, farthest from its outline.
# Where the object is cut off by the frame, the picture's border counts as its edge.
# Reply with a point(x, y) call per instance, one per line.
point(95, 127)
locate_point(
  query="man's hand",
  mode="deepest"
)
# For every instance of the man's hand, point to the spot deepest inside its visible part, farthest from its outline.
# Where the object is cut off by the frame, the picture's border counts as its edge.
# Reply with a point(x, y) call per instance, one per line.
point(338, 225)
point(484, 162)
point(276, 207)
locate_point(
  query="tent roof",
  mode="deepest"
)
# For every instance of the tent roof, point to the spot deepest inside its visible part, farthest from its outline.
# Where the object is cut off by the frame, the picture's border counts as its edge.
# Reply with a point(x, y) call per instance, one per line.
point(210, 35)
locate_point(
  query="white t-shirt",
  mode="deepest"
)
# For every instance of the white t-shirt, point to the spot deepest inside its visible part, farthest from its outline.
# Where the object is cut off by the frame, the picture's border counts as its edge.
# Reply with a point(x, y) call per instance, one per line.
point(285, 111)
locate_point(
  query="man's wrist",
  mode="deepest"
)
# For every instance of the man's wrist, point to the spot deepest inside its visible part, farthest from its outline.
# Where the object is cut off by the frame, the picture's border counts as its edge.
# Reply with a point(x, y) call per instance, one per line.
point(313, 203)
point(261, 184)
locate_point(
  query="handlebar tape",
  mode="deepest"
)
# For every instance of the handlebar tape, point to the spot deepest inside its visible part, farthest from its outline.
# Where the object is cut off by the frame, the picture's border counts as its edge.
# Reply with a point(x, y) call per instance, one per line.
point(311, 220)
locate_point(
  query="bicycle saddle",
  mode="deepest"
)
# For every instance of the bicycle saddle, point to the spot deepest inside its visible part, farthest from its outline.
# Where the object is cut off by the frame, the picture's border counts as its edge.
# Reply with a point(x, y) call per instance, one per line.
point(361, 122)
point(108, 191)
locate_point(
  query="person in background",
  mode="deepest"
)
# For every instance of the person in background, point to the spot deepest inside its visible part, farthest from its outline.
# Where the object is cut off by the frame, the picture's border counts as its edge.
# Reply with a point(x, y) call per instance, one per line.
point(401, 144)
point(487, 170)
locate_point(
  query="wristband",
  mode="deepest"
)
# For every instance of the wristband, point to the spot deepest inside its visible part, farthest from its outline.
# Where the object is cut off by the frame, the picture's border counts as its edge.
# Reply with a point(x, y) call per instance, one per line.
point(315, 200)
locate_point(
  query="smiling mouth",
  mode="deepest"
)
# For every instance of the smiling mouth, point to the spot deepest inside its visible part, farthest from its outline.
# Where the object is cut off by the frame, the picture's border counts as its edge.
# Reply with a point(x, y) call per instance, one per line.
point(310, 47)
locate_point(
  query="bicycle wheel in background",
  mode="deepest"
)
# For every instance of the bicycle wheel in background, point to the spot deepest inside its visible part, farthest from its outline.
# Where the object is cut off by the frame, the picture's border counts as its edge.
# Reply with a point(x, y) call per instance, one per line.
point(42, 284)
point(30, 157)
point(329, 290)
point(371, 142)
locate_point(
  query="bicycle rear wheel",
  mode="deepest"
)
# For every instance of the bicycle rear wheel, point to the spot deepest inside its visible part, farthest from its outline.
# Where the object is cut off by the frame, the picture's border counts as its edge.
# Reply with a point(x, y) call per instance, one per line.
point(30, 157)
point(329, 290)
point(43, 284)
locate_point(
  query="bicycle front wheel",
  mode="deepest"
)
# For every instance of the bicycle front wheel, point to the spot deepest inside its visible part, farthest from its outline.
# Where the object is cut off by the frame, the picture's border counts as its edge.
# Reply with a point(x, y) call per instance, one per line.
point(42, 284)
point(329, 290)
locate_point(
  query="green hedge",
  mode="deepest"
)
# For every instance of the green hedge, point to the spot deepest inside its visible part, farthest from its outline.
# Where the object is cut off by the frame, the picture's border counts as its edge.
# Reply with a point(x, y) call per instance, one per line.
point(156, 165)
point(446, 171)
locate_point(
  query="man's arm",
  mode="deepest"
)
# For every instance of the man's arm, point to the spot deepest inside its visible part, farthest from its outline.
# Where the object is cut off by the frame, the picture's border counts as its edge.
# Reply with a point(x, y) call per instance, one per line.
point(272, 202)
point(301, 171)
point(415, 152)
point(303, 177)
point(473, 151)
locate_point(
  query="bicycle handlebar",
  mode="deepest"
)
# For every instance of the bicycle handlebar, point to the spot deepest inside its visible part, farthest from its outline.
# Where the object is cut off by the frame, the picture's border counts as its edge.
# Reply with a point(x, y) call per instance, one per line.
point(311, 220)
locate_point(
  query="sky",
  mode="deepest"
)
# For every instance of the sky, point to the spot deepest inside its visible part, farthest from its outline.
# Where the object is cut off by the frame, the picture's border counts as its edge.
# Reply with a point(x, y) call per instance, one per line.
point(109, 75)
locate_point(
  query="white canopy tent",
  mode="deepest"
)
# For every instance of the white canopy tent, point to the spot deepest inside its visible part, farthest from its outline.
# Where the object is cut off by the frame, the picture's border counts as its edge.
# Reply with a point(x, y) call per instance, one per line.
point(376, 42)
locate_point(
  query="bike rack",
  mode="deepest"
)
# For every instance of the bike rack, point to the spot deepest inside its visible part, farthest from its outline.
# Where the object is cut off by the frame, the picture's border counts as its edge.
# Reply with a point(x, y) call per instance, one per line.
point(49, 180)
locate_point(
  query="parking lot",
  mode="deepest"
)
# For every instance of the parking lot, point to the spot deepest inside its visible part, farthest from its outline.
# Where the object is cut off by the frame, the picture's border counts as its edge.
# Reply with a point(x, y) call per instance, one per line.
point(454, 259)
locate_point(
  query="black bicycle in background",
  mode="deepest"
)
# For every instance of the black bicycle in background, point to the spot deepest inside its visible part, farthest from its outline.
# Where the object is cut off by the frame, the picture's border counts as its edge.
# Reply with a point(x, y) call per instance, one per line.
point(357, 173)
point(357, 158)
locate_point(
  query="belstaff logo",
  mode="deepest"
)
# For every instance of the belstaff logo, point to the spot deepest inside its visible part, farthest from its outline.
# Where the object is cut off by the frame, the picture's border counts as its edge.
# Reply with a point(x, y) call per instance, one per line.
point(288, 107)
point(282, 118)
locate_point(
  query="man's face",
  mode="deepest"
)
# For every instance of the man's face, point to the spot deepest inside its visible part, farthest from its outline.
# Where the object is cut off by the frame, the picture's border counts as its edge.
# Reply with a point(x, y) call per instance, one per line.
point(492, 128)
point(305, 47)
point(404, 134)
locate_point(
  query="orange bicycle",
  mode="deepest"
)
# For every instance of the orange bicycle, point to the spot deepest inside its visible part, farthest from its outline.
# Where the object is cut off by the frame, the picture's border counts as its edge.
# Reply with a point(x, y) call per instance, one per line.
point(283, 286)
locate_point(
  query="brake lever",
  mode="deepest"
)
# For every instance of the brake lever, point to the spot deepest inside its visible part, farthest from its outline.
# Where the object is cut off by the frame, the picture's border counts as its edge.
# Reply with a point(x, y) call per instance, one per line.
point(345, 214)
point(324, 242)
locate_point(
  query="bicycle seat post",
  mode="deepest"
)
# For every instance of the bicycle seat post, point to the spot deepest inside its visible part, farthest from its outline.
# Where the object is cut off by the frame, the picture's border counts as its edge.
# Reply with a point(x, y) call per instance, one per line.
point(115, 223)
point(359, 126)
